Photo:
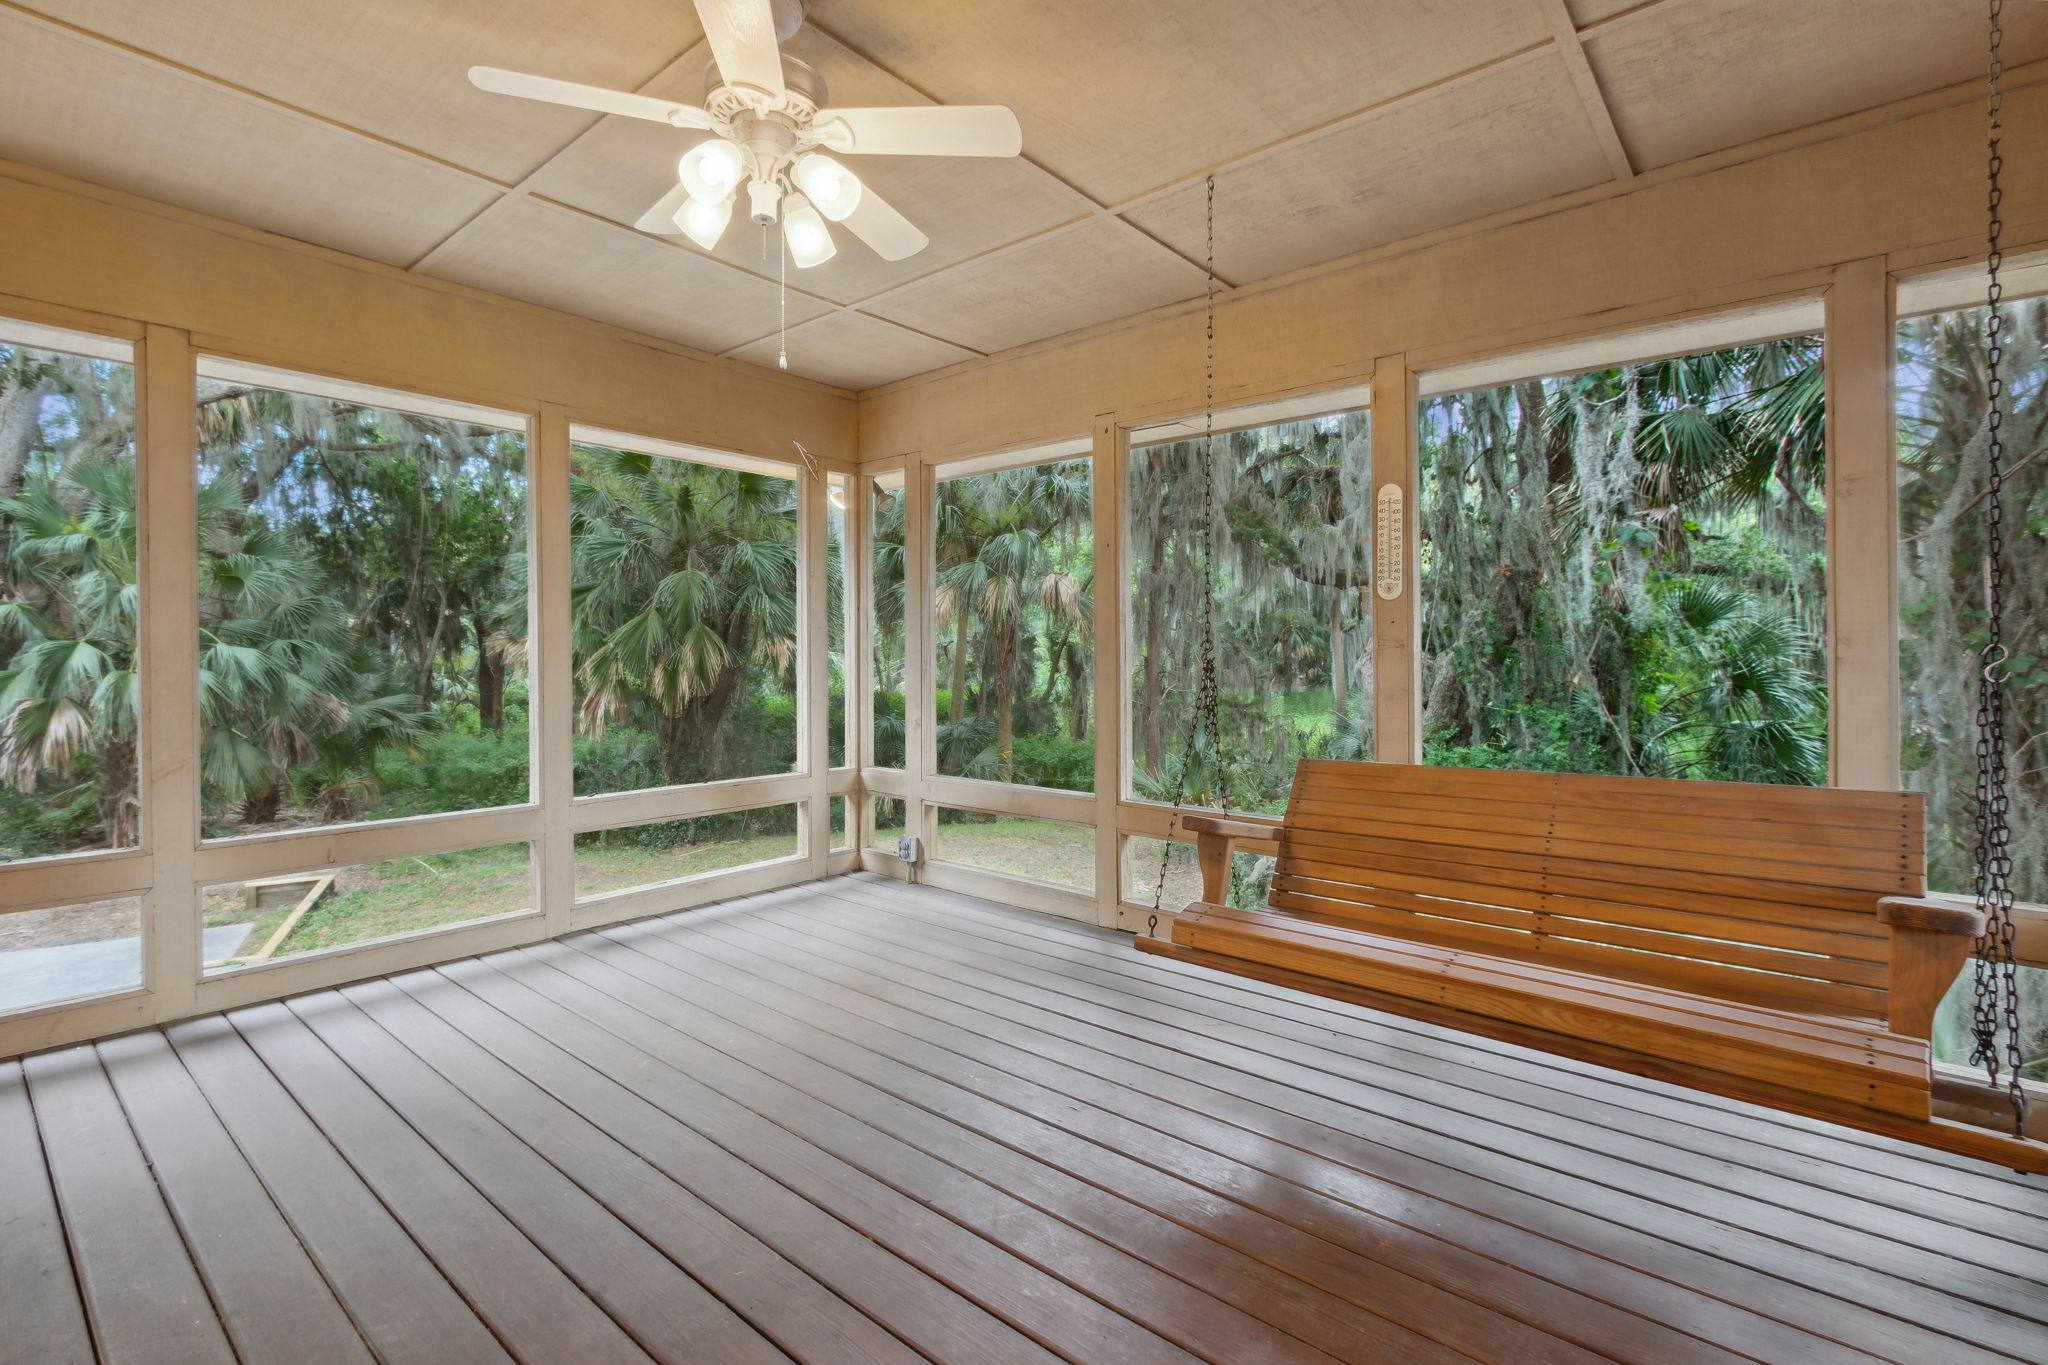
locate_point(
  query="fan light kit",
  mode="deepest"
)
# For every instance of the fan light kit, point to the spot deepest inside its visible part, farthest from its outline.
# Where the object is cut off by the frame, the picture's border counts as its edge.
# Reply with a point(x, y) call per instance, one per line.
point(774, 136)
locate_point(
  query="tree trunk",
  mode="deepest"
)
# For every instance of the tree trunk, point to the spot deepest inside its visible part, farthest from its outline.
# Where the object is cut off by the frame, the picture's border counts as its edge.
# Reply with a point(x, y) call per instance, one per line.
point(956, 706)
point(1078, 681)
point(1340, 670)
point(18, 408)
point(690, 736)
point(490, 678)
point(1148, 704)
point(120, 806)
point(260, 808)
point(1005, 683)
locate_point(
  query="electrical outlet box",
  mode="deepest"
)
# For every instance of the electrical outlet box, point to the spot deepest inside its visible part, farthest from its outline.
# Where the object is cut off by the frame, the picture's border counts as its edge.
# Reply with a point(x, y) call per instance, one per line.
point(910, 849)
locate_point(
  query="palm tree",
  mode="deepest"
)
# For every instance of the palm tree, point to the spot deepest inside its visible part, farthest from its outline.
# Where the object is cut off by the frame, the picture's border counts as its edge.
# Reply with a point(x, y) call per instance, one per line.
point(684, 595)
point(68, 700)
point(1010, 560)
point(284, 683)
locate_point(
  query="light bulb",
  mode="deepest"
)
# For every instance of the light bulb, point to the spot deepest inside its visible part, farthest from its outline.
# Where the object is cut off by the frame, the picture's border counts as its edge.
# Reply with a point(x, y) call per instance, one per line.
point(710, 169)
point(829, 185)
point(704, 223)
point(809, 242)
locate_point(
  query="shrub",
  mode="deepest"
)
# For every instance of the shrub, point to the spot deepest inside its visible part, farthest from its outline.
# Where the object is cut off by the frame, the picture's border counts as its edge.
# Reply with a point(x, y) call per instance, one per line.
point(454, 771)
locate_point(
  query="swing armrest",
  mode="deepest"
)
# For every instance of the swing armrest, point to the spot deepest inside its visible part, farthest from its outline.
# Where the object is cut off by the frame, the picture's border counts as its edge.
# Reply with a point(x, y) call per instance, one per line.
point(1215, 840)
point(1932, 914)
point(1231, 829)
point(1931, 937)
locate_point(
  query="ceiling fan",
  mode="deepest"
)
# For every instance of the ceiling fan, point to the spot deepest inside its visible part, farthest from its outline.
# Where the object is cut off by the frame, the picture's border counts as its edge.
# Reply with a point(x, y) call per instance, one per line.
point(774, 137)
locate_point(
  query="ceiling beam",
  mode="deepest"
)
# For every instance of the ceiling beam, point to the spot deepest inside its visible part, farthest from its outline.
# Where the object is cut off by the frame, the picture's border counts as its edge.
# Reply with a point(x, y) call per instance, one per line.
point(1571, 48)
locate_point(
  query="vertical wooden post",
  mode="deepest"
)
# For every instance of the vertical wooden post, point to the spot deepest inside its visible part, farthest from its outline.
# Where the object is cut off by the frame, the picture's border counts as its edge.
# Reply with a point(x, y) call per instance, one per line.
point(860, 653)
point(1862, 530)
point(167, 646)
point(550, 667)
point(813, 665)
point(860, 627)
point(920, 737)
point(1396, 621)
point(1112, 606)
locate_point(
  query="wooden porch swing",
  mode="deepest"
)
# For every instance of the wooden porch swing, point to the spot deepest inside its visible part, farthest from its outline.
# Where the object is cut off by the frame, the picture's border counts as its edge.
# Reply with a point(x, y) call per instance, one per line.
point(1770, 944)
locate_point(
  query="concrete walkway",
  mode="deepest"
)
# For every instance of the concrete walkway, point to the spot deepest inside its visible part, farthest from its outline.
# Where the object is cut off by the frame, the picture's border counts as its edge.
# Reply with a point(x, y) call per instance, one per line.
point(72, 971)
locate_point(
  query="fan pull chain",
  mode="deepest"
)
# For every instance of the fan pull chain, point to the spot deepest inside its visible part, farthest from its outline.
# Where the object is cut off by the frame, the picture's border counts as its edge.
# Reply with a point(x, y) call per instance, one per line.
point(1995, 1023)
point(782, 330)
point(1207, 691)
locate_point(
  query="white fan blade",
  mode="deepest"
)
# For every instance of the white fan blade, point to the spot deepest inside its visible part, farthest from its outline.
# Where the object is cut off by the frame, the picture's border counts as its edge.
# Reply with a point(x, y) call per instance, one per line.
point(552, 91)
point(922, 130)
point(875, 221)
point(742, 38)
point(662, 217)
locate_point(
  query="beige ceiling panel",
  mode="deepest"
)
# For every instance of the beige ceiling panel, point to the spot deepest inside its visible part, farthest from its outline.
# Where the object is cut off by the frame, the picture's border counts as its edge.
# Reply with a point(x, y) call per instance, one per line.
point(855, 351)
point(170, 136)
point(1512, 136)
point(1093, 273)
point(1120, 98)
point(1587, 12)
point(1686, 79)
point(966, 205)
point(563, 259)
point(396, 67)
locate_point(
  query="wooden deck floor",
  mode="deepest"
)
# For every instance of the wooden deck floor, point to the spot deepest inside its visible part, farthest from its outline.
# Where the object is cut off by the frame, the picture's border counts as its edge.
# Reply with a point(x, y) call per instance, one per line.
point(856, 1121)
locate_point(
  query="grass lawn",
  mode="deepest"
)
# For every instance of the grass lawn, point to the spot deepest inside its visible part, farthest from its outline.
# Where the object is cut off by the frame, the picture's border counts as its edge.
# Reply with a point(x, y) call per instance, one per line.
point(1043, 850)
point(406, 895)
point(615, 867)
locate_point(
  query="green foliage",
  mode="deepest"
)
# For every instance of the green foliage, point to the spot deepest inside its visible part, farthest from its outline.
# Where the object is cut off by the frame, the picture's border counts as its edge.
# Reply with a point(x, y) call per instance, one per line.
point(454, 771)
point(1289, 541)
point(1624, 570)
point(1015, 582)
point(685, 611)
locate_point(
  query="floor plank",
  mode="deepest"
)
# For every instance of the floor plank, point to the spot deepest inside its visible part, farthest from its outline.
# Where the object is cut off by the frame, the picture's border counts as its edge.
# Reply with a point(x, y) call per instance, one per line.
point(938, 1321)
point(639, 1055)
point(272, 1299)
point(403, 1305)
point(145, 1299)
point(536, 1310)
point(1952, 1178)
point(1707, 1234)
point(671, 1315)
point(863, 1123)
point(1877, 1172)
point(778, 1300)
point(1165, 1304)
point(771, 1009)
point(45, 1317)
point(2013, 1267)
point(1210, 1135)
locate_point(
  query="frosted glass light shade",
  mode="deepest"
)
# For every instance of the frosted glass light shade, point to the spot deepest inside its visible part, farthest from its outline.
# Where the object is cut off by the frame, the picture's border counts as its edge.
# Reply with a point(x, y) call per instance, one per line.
point(810, 242)
point(833, 188)
point(710, 170)
point(704, 223)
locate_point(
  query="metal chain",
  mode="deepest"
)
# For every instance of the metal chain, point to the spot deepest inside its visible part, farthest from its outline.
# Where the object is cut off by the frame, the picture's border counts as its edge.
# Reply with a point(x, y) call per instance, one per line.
point(1995, 1023)
point(1207, 690)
